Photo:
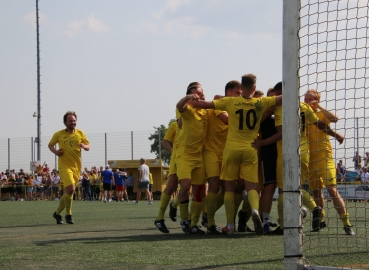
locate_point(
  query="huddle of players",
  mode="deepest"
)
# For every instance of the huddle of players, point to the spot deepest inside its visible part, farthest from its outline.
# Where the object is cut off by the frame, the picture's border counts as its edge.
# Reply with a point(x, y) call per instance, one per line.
point(217, 141)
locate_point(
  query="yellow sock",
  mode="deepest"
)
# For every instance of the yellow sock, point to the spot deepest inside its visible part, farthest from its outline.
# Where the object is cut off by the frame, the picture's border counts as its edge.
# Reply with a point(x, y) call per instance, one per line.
point(68, 199)
point(204, 206)
point(220, 200)
point(195, 209)
point(183, 210)
point(254, 199)
point(164, 201)
point(345, 219)
point(211, 201)
point(237, 202)
point(307, 200)
point(322, 216)
point(280, 210)
point(229, 206)
point(61, 205)
point(246, 204)
point(175, 202)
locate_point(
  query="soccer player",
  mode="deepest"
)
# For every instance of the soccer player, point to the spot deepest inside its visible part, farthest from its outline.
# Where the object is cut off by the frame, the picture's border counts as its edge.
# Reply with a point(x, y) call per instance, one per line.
point(189, 160)
point(213, 151)
point(307, 116)
point(239, 157)
point(322, 169)
point(170, 136)
point(70, 141)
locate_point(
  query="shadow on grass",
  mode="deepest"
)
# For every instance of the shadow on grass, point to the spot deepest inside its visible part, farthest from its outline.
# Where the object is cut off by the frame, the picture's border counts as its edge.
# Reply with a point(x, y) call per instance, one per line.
point(25, 226)
point(136, 238)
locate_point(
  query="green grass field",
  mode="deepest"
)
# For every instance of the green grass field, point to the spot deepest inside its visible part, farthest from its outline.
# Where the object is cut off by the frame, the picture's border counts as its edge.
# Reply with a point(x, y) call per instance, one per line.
point(122, 236)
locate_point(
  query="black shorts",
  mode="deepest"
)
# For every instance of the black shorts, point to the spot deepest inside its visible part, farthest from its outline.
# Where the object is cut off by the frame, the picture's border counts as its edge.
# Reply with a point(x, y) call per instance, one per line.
point(142, 185)
point(106, 186)
point(130, 190)
point(19, 190)
point(11, 189)
point(4, 190)
point(270, 170)
point(150, 187)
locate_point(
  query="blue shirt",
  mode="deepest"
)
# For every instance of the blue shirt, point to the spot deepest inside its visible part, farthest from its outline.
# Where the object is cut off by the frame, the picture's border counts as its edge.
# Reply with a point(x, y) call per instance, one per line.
point(106, 176)
point(119, 179)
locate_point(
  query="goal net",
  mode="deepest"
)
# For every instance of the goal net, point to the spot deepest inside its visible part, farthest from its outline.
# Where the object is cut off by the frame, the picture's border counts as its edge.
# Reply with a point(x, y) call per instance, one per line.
point(325, 48)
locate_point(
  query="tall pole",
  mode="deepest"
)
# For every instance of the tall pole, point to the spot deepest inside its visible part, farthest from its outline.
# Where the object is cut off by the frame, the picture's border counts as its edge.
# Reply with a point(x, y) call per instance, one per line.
point(38, 88)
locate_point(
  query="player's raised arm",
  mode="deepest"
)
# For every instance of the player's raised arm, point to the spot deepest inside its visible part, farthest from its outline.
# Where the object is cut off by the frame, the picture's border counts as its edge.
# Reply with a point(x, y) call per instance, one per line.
point(326, 129)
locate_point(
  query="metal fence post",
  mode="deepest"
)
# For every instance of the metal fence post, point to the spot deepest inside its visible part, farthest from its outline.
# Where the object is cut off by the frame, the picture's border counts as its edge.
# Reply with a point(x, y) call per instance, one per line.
point(106, 149)
point(9, 154)
point(132, 145)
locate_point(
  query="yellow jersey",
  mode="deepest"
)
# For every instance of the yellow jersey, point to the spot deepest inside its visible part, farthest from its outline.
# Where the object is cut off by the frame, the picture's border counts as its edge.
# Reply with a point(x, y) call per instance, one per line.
point(69, 142)
point(318, 140)
point(170, 135)
point(193, 133)
point(244, 115)
point(217, 132)
point(307, 117)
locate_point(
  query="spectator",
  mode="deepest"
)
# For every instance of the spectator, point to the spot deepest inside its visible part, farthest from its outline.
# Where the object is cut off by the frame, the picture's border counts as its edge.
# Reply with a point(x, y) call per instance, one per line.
point(356, 160)
point(19, 187)
point(95, 184)
point(107, 179)
point(38, 187)
point(47, 186)
point(129, 184)
point(56, 182)
point(86, 184)
point(339, 175)
point(366, 159)
point(11, 186)
point(119, 179)
point(342, 167)
point(4, 187)
point(28, 181)
point(151, 182)
point(358, 169)
point(45, 169)
point(364, 176)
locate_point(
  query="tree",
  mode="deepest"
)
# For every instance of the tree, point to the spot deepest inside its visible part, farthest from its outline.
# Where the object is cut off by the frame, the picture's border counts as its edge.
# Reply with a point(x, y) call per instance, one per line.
point(157, 138)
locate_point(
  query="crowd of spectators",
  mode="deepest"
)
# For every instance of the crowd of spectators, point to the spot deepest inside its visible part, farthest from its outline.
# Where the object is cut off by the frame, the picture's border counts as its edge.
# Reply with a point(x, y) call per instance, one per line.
point(360, 172)
point(46, 184)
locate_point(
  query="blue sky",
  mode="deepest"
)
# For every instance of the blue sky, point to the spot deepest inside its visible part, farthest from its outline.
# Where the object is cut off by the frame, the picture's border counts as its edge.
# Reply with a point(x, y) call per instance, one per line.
point(123, 65)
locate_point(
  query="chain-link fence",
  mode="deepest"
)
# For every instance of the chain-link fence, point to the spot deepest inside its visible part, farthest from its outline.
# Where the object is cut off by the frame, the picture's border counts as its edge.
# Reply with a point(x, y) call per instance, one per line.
point(17, 153)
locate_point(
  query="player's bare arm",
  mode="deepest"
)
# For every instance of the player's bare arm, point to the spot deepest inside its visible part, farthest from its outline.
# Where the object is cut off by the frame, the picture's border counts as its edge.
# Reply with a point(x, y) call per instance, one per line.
point(85, 147)
point(224, 117)
point(257, 144)
point(58, 152)
point(181, 104)
point(326, 129)
point(167, 146)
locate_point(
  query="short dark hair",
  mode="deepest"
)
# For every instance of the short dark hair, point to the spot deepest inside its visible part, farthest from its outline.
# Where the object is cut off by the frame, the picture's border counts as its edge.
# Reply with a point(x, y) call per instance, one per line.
point(230, 85)
point(192, 86)
point(69, 113)
point(278, 87)
point(248, 81)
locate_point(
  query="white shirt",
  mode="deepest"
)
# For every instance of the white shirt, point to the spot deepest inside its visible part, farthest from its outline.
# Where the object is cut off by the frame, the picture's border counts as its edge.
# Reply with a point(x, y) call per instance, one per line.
point(56, 179)
point(144, 169)
point(365, 177)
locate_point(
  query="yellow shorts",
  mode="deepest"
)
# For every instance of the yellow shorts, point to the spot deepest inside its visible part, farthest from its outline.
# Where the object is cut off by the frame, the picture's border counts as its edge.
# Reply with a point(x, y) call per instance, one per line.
point(173, 164)
point(212, 163)
point(189, 167)
point(238, 163)
point(69, 176)
point(322, 172)
point(304, 161)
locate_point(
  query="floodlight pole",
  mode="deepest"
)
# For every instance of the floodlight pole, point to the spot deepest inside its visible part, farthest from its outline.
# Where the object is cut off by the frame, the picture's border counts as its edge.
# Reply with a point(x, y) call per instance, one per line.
point(38, 88)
